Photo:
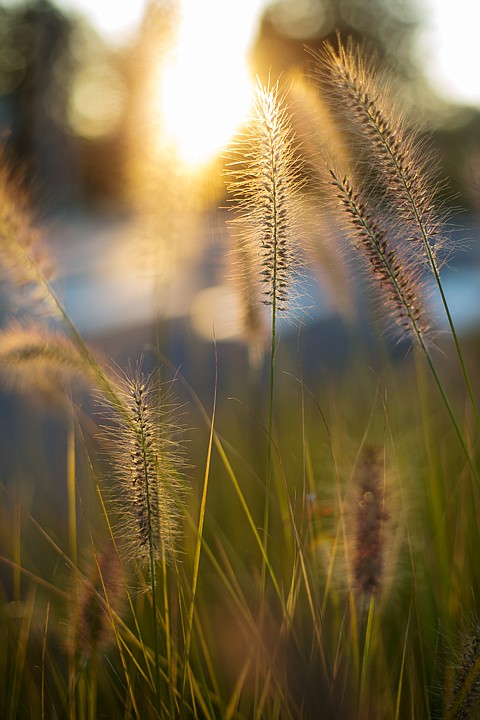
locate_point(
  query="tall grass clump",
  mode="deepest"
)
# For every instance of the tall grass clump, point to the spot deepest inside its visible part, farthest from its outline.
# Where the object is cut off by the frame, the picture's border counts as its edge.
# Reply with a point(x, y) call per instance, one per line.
point(393, 211)
point(146, 493)
point(220, 598)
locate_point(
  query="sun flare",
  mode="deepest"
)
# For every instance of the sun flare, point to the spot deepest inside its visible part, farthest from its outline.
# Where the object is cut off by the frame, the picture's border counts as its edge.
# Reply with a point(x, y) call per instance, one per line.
point(206, 87)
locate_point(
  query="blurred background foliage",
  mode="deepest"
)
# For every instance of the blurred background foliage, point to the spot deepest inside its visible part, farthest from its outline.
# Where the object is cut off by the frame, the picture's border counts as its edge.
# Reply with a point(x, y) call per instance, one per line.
point(74, 109)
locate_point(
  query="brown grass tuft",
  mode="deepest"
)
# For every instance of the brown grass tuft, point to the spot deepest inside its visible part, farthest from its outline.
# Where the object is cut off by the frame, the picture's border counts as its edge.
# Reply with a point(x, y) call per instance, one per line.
point(371, 515)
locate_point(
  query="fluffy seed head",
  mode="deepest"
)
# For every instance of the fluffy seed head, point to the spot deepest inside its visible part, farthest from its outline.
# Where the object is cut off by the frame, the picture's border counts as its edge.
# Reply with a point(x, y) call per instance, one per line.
point(33, 357)
point(368, 560)
point(396, 272)
point(147, 492)
point(466, 689)
point(264, 181)
point(103, 590)
point(402, 161)
point(23, 259)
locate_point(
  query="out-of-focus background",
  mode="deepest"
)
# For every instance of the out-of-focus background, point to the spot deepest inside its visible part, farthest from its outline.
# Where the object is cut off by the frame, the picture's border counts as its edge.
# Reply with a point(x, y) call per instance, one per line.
point(120, 114)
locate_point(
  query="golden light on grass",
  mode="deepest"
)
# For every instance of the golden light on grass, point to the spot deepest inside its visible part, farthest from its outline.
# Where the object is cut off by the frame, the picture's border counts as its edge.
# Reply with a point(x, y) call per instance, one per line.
point(205, 91)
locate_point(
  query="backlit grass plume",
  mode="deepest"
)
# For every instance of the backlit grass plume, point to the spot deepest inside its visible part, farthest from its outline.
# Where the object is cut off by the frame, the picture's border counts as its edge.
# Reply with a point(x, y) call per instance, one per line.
point(397, 273)
point(35, 357)
point(23, 257)
point(147, 491)
point(264, 182)
point(466, 689)
point(405, 188)
point(395, 152)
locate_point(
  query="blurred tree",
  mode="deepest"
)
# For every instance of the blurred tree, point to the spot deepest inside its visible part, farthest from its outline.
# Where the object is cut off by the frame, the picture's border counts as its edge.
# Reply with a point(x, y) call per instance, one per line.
point(385, 25)
point(35, 67)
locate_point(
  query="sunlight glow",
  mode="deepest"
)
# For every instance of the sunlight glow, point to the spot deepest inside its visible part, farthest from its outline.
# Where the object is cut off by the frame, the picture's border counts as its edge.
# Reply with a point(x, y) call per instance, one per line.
point(206, 91)
point(448, 48)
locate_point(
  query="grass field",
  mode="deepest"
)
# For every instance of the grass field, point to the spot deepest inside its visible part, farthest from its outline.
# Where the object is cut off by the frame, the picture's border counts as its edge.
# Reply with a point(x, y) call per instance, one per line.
point(295, 538)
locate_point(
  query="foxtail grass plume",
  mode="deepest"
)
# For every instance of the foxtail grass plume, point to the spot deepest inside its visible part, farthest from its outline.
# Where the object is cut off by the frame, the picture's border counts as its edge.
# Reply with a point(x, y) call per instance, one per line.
point(465, 704)
point(100, 595)
point(24, 260)
point(264, 180)
point(399, 280)
point(253, 315)
point(395, 151)
point(370, 517)
point(148, 490)
point(36, 358)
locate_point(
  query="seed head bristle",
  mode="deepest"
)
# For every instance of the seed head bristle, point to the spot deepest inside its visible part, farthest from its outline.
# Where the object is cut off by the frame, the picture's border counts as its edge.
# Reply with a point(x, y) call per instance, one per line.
point(466, 689)
point(396, 273)
point(396, 152)
point(147, 458)
point(264, 181)
point(23, 258)
point(33, 357)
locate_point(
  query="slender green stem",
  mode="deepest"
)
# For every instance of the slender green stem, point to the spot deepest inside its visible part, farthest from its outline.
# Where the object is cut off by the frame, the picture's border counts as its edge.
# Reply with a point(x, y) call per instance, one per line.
point(198, 546)
point(450, 411)
point(71, 488)
point(155, 630)
point(153, 587)
point(268, 478)
point(366, 654)
point(402, 667)
point(428, 248)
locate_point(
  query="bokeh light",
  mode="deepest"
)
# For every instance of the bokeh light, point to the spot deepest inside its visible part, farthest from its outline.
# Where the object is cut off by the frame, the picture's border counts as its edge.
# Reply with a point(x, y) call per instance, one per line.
point(447, 48)
point(96, 101)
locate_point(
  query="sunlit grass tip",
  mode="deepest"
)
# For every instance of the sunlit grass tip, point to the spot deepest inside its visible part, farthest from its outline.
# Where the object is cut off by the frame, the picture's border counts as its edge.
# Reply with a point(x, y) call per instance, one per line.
point(397, 152)
point(264, 179)
point(393, 269)
point(33, 357)
point(24, 259)
point(147, 491)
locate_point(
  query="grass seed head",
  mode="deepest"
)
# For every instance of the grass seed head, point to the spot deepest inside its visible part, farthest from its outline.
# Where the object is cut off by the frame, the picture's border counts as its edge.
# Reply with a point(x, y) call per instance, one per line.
point(148, 491)
point(35, 358)
point(264, 180)
point(370, 518)
point(400, 158)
